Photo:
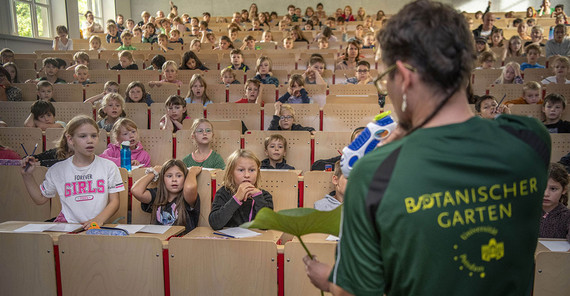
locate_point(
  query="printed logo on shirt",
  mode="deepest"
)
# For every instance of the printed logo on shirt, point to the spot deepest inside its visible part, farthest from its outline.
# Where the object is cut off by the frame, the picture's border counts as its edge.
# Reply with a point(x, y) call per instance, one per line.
point(476, 208)
point(84, 198)
point(85, 186)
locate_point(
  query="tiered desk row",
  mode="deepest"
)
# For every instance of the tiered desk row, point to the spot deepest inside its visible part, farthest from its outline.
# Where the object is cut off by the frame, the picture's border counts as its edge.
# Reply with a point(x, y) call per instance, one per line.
point(334, 124)
point(482, 82)
point(200, 263)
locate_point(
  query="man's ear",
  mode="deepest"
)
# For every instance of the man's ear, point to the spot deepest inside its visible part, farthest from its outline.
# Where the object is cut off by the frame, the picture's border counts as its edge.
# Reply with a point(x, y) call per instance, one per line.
point(406, 75)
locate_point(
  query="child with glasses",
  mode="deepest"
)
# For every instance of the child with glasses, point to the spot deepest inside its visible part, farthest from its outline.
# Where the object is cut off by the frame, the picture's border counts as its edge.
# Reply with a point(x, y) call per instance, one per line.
point(204, 156)
point(362, 74)
point(284, 120)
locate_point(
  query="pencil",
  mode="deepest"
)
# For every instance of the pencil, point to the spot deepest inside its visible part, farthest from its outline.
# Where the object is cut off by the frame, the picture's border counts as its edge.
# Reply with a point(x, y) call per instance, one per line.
point(24, 149)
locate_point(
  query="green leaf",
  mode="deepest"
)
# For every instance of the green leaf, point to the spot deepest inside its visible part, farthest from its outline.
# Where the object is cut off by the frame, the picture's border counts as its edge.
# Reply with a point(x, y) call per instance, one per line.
point(298, 221)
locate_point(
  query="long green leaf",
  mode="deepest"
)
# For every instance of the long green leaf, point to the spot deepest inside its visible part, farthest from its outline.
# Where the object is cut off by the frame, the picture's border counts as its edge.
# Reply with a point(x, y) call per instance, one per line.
point(298, 222)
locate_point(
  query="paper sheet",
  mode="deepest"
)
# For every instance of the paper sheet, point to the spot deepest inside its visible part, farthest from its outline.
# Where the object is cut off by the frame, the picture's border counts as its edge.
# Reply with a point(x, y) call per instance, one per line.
point(130, 228)
point(33, 228)
point(239, 232)
point(64, 227)
point(159, 229)
point(58, 227)
point(556, 246)
point(133, 228)
point(332, 238)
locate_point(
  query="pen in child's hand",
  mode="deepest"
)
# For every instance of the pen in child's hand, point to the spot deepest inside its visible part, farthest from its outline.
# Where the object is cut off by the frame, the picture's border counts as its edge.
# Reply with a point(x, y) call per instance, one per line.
point(502, 100)
point(35, 147)
point(28, 163)
point(24, 149)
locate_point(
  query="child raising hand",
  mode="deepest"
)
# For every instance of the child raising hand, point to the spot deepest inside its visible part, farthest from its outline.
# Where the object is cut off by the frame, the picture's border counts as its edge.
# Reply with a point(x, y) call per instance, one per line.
point(88, 185)
point(175, 201)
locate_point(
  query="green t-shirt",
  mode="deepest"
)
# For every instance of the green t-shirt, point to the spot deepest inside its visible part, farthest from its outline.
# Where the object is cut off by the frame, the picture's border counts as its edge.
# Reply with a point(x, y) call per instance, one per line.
point(130, 47)
point(459, 211)
point(214, 161)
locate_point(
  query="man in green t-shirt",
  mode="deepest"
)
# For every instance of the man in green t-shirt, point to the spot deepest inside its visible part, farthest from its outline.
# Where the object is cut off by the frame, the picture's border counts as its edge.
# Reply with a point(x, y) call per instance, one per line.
point(453, 206)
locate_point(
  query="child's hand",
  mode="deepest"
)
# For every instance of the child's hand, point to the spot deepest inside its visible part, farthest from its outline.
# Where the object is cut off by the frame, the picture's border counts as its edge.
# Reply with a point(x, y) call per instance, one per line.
point(195, 170)
point(135, 162)
point(277, 108)
point(244, 191)
point(157, 168)
point(294, 91)
point(87, 224)
point(503, 109)
point(29, 161)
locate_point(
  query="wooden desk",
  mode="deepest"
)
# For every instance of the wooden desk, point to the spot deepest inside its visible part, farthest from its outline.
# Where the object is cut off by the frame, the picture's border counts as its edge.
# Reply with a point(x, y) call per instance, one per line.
point(205, 232)
point(551, 271)
point(113, 265)
point(205, 264)
point(10, 226)
point(296, 281)
point(27, 260)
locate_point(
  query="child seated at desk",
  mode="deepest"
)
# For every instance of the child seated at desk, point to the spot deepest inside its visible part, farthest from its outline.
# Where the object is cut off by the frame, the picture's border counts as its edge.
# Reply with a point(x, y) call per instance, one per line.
point(88, 185)
point(177, 189)
point(240, 198)
point(45, 91)
point(334, 199)
point(555, 218)
point(553, 107)
point(275, 149)
point(530, 95)
point(43, 116)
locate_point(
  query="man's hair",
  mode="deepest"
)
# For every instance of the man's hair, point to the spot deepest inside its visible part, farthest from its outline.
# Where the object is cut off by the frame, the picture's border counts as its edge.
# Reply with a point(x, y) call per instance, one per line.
point(274, 137)
point(40, 108)
point(443, 57)
point(554, 98)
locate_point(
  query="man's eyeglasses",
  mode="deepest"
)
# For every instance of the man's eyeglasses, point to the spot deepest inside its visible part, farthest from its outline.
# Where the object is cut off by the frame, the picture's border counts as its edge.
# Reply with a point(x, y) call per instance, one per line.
point(380, 81)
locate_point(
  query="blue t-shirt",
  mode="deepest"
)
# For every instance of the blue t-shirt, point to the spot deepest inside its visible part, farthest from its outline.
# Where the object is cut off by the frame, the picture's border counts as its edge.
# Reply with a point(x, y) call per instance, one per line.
point(529, 66)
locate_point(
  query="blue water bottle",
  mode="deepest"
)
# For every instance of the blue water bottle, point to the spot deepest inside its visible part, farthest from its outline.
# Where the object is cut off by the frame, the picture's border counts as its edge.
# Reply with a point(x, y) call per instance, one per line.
point(374, 133)
point(126, 155)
